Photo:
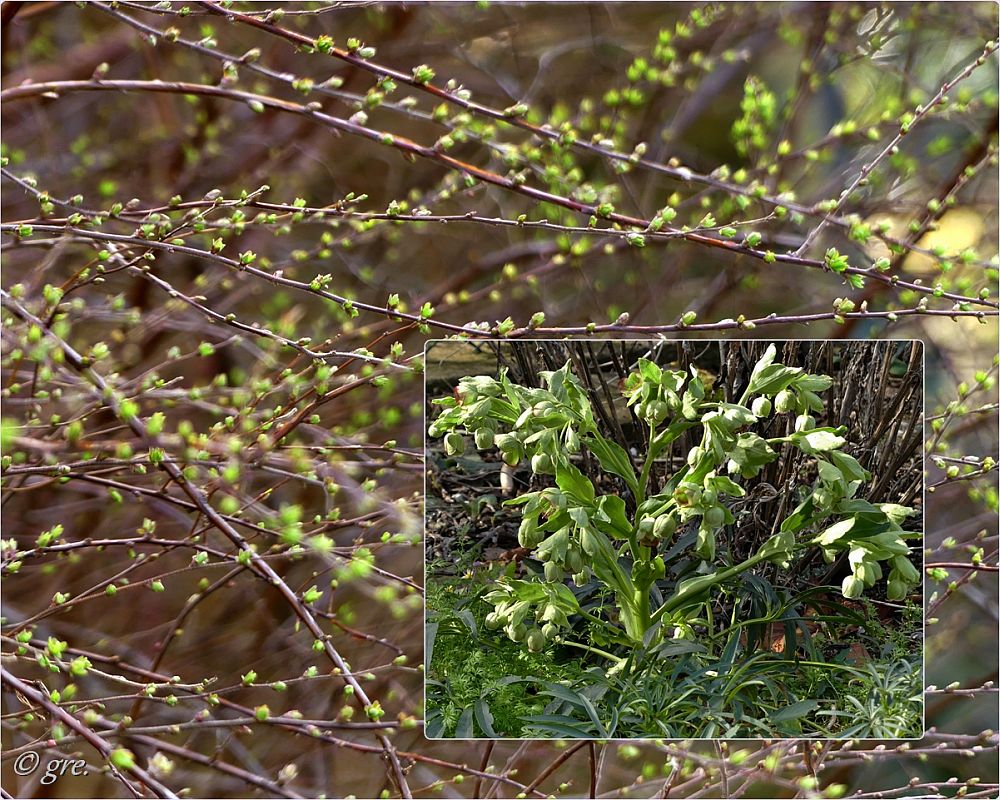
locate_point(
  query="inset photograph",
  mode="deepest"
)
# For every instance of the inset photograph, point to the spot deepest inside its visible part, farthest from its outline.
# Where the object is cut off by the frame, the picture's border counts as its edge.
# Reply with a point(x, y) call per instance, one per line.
point(674, 539)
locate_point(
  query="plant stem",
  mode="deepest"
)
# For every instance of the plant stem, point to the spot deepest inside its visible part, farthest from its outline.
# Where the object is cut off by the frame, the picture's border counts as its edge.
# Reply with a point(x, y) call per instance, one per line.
point(642, 603)
point(592, 617)
point(647, 467)
point(681, 597)
point(590, 649)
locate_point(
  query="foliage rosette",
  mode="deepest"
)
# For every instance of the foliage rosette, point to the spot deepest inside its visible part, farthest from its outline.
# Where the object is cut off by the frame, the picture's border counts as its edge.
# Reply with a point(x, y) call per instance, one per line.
point(620, 543)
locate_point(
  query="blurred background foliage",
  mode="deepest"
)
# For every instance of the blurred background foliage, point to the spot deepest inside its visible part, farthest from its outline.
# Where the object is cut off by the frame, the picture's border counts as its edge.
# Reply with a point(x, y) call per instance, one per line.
point(675, 169)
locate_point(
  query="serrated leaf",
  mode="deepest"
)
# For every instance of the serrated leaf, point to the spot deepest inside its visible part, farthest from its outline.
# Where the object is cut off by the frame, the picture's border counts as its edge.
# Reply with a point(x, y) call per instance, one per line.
point(814, 383)
point(724, 485)
point(574, 482)
point(469, 620)
point(778, 548)
point(559, 725)
point(819, 440)
point(649, 371)
point(896, 513)
point(611, 512)
point(772, 379)
point(835, 532)
point(765, 361)
point(561, 692)
point(751, 452)
point(615, 460)
point(693, 396)
point(679, 647)
point(800, 517)
point(849, 466)
point(857, 506)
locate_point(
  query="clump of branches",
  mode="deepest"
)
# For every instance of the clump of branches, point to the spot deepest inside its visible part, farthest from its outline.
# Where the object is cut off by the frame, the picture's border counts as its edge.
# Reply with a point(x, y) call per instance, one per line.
point(228, 230)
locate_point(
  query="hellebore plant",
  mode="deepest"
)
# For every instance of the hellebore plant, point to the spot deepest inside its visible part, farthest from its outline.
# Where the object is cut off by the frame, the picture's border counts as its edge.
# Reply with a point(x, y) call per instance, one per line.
point(574, 531)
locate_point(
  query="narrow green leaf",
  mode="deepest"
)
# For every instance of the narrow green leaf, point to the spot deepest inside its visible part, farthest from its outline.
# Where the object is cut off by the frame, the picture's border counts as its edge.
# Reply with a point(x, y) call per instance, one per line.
point(794, 711)
point(463, 728)
point(484, 718)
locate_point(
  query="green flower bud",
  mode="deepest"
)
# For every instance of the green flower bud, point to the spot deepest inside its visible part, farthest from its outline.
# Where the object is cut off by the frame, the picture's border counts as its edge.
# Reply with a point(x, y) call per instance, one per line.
point(493, 620)
point(785, 401)
point(656, 412)
point(572, 441)
point(761, 407)
point(659, 567)
point(715, 516)
point(905, 570)
point(804, 422)
point(709, 497)
point(543, 408)
point(511, 448)
point(687, 494)
point(535, 640)
point(484, 438)
point(705, 544)
point(896, 589)
point(869, 572)
point(581, 578)
point(549, 631)
point(517, 632)
point(646, 527)
point(852, 587)
point(665, 526)
point(553, 572)
point(454, 444)
point(822, 499)
point(695, 454)
point(541, 464)
point(574, 561)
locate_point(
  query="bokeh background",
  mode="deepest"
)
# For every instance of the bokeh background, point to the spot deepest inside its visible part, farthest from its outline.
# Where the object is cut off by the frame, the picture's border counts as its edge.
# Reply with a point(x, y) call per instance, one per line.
point(298, 415)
